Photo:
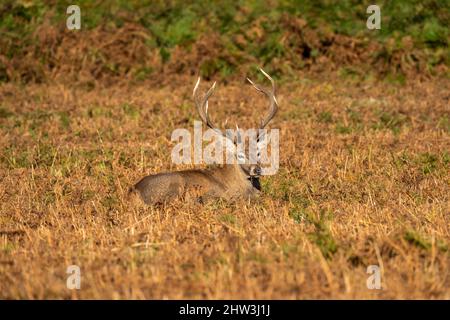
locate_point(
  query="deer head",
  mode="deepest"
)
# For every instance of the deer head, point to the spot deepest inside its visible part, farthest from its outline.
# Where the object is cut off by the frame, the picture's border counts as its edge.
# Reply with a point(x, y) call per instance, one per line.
point(234, 143)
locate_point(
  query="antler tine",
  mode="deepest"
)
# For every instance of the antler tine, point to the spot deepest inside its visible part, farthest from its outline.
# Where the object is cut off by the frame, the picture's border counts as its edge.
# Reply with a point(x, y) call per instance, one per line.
point(196, 87)
point(197, 102)
point(202, 107)
point(273, 105)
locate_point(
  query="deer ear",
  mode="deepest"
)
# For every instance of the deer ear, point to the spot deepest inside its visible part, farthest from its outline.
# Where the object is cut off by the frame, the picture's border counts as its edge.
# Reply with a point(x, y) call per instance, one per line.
point(238, 135)
point(229, 135)
point(263, 139)
point(229, 141)
point(261, 135)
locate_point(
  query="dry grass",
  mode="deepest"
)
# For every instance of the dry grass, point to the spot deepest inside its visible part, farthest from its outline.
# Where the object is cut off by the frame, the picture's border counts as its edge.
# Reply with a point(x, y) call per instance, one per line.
point(364, 180)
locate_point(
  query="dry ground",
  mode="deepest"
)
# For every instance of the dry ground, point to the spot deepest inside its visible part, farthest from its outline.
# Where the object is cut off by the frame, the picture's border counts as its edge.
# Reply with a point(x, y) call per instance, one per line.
point(364, 180)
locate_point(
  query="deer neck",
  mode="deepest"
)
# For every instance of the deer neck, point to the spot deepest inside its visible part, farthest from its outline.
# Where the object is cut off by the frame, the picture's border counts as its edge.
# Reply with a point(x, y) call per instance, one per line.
point(230, 173)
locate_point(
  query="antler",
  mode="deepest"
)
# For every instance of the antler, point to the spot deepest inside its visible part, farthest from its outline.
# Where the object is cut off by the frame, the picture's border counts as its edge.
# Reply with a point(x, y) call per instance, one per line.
point(202, 107)
point(273, 103)
point(202, 104)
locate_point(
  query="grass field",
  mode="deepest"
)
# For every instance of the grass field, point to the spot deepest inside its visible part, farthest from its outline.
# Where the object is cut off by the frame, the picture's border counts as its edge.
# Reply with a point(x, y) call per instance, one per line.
point(363, 181)
point(364, 175)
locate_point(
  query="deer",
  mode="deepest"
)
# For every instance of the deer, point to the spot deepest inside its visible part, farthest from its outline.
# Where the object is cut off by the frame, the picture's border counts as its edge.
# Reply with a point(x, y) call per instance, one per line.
point(239, 180)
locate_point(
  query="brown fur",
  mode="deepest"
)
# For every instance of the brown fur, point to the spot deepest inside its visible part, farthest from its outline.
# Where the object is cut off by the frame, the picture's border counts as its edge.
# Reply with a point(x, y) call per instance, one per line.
point(228, 182)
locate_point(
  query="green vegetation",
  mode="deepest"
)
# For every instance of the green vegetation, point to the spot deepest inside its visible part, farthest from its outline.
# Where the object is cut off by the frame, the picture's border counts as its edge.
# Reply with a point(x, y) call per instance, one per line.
point(321, 236)
point(284, 35)
point(418, 240)
point(391, 120)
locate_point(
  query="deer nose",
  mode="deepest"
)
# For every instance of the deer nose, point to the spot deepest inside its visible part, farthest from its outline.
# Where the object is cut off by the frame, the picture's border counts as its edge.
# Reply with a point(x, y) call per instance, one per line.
point(257, 171)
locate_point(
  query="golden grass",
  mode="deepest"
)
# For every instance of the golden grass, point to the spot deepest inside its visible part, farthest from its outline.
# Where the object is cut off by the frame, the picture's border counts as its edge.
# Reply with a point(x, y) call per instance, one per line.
point(364, 180)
